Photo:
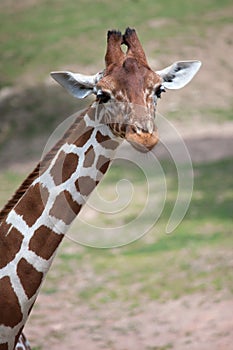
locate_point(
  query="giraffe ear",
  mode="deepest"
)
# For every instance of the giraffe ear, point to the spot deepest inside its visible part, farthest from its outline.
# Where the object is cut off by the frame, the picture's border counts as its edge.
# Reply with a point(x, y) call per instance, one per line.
point(179, 74)
point(78, 85)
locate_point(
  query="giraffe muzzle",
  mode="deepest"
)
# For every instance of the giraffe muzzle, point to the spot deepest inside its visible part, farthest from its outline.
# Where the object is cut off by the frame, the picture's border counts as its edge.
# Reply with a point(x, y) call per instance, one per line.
point(143, 140)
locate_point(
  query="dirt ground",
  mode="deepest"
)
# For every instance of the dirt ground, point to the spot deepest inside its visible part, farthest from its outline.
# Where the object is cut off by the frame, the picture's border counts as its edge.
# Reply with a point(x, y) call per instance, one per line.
point(196, 322)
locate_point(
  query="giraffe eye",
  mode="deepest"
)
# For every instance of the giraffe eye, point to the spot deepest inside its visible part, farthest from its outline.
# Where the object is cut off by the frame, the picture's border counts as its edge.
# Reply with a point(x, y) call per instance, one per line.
point(103, 96)
point(159, 91)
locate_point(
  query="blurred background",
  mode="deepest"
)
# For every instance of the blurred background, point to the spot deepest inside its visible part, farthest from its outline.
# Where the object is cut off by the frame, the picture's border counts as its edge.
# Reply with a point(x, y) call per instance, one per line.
point(163, 291)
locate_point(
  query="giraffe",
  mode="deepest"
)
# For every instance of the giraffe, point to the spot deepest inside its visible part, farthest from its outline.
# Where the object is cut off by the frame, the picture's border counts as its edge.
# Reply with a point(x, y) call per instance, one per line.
point(35, 220)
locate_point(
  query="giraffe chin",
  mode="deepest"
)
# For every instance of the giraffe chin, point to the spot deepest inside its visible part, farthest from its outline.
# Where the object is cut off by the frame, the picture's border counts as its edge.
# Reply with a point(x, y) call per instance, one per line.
point(144, 143)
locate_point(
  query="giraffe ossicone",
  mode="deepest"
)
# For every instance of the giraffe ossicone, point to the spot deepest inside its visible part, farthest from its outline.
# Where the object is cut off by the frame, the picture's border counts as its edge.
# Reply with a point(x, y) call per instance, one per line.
point(34, 221)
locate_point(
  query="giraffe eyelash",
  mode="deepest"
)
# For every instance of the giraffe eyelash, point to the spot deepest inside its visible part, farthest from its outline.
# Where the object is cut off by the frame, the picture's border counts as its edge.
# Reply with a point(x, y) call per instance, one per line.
point(103, 96)
point(159, 91)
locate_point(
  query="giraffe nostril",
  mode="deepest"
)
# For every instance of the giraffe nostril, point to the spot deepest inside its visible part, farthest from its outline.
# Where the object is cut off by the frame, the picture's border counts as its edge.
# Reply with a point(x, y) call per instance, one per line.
point(137, 128)
point(147, 127)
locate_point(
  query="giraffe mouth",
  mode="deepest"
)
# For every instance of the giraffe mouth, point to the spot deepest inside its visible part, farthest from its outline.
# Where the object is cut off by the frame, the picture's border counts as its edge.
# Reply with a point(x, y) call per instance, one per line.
point(143, 142)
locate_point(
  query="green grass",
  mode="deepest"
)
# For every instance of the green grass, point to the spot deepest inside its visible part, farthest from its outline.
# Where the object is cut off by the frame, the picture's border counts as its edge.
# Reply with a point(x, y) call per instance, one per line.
point(220, 114)
point(211, 114)
point(39, 38)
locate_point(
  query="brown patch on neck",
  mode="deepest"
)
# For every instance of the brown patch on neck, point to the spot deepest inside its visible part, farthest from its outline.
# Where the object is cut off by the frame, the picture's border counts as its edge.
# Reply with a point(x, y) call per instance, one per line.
point(89, 157)
point(29, 277)
point(106, 141)
point(44, 242)
point(10, 314)
point(85, 185)
point(7, 249)
point(32, 205)
point(64, 167)
point(102, 164)
point(65, 208)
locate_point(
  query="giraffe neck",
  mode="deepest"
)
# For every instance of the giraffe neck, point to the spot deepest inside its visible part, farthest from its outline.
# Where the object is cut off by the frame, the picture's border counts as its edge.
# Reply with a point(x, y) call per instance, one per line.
point(32, 230)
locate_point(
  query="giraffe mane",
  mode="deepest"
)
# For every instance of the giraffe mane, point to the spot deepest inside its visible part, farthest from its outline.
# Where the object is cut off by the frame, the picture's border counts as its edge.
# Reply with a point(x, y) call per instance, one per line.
point(36, 172)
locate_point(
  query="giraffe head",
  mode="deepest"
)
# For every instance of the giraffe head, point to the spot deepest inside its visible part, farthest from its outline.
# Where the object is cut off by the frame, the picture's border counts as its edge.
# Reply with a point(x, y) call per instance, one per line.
point(128, 89)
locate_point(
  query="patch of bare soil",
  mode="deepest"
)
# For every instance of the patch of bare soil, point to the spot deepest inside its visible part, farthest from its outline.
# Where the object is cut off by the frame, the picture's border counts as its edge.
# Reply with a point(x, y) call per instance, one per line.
point(193, 322)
